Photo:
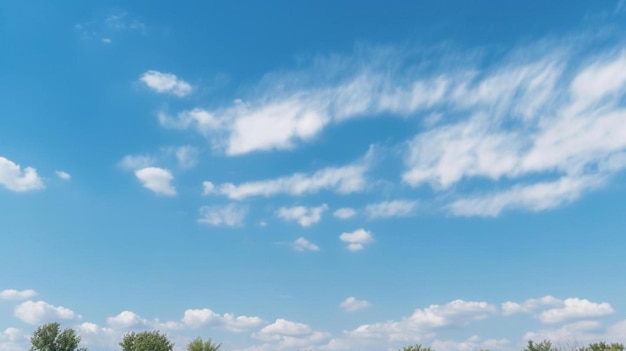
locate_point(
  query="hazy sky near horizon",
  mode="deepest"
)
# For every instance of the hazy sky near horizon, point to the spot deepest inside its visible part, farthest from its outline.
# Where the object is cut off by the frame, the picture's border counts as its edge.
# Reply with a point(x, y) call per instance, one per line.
point(323, 175)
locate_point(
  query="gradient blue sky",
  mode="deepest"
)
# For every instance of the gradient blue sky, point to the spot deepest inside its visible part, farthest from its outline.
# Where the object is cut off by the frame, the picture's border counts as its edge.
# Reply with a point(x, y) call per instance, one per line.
point(327, 175)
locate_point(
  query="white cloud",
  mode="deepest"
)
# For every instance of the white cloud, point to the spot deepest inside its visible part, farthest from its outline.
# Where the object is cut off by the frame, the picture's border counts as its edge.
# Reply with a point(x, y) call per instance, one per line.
point(187, 156)
point(287, 335)
point(106, 40)
point(287, 114)
point(534, 197)
point(536, 119)
point(11, 334)
point(343, 180)
point(39, 312)
point(166, 83)
point(301, 244)
point(196, 318)
point(357, 239)
point(63, 175)
point(158, 180)
point(305, 216)
point(135, 162)
point(582, 331)
point(126, 319)
point(530, 305)
point(419, 326)
point(575, 308)
point(352, 304)
point(283, 327)
point(528, 119)
point(387, 209)
point(12, 294)
point(13, 339)
point(344, 213)
point(470, 344)
point(208, 188)
point(548, 116)
point(231, 215)
point(16, 179)
point(240, 323)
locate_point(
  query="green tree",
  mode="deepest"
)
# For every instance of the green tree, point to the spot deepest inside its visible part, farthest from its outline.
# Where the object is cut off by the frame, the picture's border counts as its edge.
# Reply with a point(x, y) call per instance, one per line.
point(198, 345)
point(545, 345)
point(146, 341)
point(49, 337)
point(416, 347)
point(602, 346)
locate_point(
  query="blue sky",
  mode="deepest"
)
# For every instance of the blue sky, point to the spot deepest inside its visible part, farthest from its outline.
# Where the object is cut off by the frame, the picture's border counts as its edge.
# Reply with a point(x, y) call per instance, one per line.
point(325, 175)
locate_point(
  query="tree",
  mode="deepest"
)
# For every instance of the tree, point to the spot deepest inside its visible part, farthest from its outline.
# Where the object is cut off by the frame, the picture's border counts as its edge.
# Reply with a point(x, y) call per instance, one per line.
point(198, 345)
point(416, 347)
point(545, 345)
point(602, 346)
point(49, 337)
point(146, 341)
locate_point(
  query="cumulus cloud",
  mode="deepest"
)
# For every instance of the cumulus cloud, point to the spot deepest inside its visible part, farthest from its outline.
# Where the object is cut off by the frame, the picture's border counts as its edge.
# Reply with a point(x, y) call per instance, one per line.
point(344, 180)
point(38, 312)
point(581, 331)
point(283, 327)
point(158, 180)
point(196, 318)
point(231, 215)
point(419, 326)
point(530, 305)
point(357, 239)
point(549, 309)
point(12, 294)
point(344, 213)
point(166, 83)
point(575, 308)
point(63, 175)
point(287, 335)
point(13, 339)
point(305, 216)
point(14, 178)
point(387, 209)
point(126, 319)
point(352, 304)
point(472, 343)
point(301, 244)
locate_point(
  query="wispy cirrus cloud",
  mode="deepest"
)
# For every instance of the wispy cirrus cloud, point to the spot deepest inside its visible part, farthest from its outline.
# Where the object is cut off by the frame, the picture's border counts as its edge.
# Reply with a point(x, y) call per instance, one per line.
point(387, 209)
point(344, 180)
point(547, 117)
point(231, 215)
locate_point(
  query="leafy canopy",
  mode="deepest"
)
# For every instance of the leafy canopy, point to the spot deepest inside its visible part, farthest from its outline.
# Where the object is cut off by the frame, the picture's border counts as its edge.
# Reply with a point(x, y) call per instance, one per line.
point(146, 341)
point(49, 337)
point(199, 345)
